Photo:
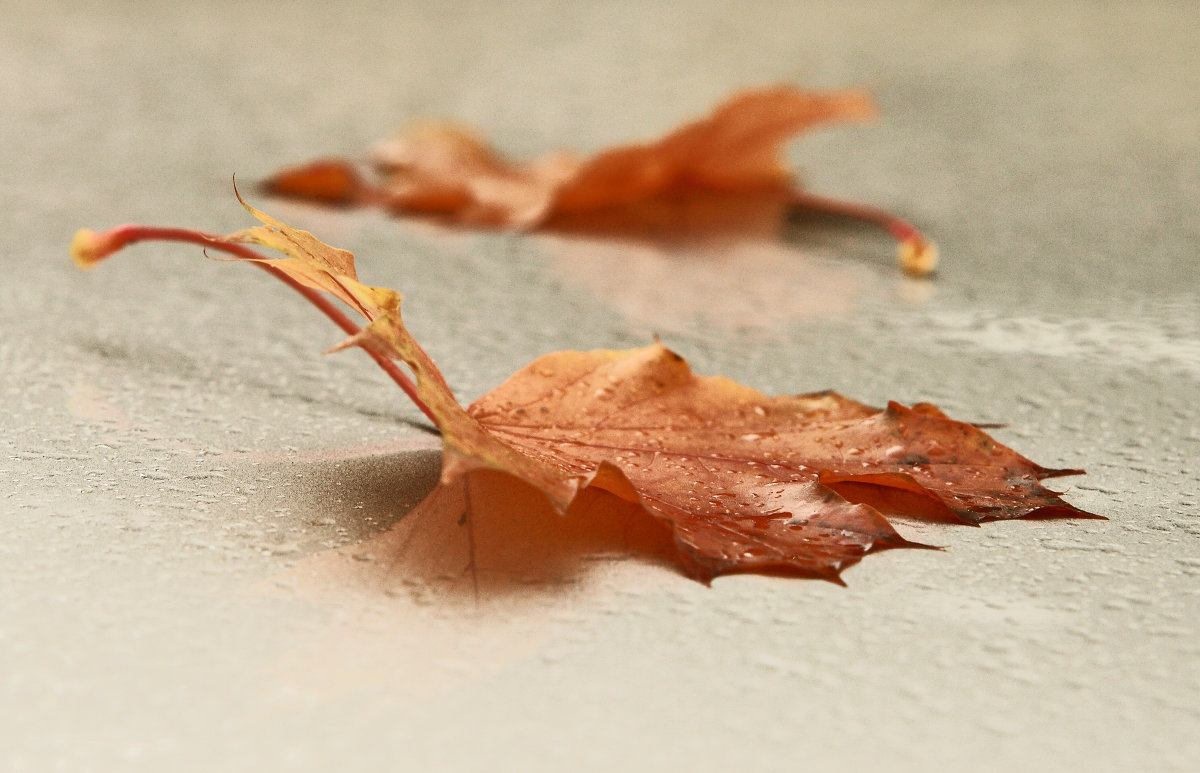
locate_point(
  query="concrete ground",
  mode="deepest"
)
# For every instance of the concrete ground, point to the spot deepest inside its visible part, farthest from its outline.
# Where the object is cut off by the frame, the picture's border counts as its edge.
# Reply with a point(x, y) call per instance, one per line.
point(173, 447)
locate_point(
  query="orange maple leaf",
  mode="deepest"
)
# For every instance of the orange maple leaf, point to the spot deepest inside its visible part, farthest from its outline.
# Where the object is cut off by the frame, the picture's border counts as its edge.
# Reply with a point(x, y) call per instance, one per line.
point(742, 481)
point(444, 169)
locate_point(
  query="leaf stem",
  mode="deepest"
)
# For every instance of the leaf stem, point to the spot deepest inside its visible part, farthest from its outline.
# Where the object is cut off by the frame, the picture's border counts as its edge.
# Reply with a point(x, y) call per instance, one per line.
point(917, 255)
point(89, 248)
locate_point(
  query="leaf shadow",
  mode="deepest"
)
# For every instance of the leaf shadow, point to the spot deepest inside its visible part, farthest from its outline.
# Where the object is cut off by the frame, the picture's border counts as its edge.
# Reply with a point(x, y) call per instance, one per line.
point(336, 497)
point(854, 241)
point(722, 260)
point(173, 363)
point(418, 550)
point(425, 598)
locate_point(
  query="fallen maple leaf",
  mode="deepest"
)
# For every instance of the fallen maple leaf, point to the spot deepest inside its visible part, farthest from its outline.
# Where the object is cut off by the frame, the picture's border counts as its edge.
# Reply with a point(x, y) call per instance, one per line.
point(744, 482)
point(446, 170)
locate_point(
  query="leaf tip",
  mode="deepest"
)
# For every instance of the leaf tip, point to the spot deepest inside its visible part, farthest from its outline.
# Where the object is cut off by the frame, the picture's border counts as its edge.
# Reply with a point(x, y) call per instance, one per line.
point(917, 256)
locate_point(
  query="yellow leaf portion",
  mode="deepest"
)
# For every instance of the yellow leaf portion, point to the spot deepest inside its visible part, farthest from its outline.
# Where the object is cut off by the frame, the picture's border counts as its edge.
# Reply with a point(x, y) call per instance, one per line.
point(302, 245)
point(468, 445)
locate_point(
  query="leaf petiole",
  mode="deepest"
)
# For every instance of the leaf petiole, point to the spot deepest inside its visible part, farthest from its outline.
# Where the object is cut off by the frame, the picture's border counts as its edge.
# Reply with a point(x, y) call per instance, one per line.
point(917, 255)
point(89, 248)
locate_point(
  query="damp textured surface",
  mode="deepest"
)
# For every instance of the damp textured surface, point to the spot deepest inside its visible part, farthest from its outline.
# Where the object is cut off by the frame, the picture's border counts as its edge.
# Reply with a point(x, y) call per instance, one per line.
point(174, 450)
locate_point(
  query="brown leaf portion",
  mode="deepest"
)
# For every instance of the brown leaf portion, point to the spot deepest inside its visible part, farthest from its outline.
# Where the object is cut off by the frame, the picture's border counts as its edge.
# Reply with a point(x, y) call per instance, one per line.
point(744, 482)
point(446, 170)
point(953, 463)
point(734, 153)
point(329, 181)
point(735, 150)
point(751, 482)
